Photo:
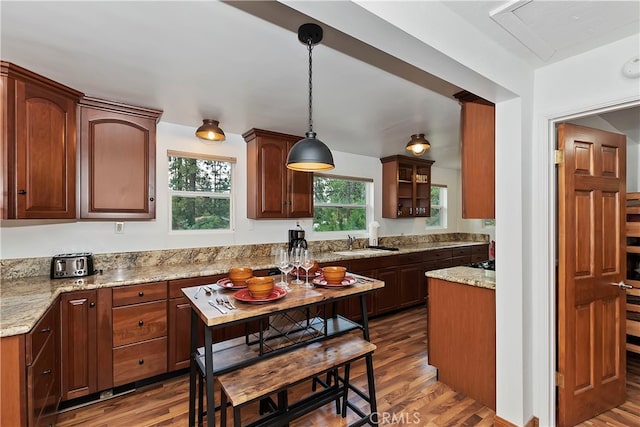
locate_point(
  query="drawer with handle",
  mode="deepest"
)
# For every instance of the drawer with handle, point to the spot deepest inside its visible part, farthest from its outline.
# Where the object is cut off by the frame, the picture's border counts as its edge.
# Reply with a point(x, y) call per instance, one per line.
point(134, 294)
point(45, 328)
point(139, 322)
point(138, 361)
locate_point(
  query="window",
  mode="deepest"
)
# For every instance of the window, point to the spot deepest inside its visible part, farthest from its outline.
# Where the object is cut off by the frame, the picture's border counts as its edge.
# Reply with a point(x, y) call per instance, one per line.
point(438, 218)
point(200, 191)
point(339, 203)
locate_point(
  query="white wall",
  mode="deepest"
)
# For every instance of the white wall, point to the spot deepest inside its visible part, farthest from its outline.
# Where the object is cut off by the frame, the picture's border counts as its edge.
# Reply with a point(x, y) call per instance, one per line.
point(580, 85)
point(30, 238)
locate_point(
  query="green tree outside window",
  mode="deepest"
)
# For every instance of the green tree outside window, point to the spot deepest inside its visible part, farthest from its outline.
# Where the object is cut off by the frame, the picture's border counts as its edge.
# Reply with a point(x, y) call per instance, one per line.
point(339, 204)
point(200, 192)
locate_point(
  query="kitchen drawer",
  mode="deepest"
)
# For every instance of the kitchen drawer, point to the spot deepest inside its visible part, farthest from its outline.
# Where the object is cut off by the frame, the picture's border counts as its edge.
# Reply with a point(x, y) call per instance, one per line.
point(382, 261)
point(134, 294)
point(139, 322)
point(42, 384)
point(45, 328)
point(461, 252)
point(436, 255)
point(411, 258)
point(176, 285)
point(138, 361)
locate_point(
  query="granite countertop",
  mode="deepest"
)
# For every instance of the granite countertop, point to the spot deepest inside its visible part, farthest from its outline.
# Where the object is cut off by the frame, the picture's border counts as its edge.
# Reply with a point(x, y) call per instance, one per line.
point(467, 276)
point(24, 300)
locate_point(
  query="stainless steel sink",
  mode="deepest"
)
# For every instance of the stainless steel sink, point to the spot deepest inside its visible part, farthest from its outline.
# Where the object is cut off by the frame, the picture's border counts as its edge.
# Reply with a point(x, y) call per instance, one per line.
point(356, 252)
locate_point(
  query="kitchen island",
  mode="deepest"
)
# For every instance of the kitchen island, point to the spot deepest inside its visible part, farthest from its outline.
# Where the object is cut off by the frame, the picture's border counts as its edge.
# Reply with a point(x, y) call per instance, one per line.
point(462, 330)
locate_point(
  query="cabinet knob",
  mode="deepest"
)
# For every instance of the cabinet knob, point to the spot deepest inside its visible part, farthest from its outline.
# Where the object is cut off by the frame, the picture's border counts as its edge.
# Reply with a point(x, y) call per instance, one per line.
point(22, 191)
point(140, 323)
point(141, 362)
point(151, 199)
point(140, 294)
point(92, 304)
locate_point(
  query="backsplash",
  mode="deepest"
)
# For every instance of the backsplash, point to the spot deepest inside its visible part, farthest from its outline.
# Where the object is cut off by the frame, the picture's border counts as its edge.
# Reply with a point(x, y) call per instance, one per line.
point(28, 267)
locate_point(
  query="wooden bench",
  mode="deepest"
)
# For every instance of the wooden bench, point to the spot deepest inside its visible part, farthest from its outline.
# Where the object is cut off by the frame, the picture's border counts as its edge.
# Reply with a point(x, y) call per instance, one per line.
point(277, 374)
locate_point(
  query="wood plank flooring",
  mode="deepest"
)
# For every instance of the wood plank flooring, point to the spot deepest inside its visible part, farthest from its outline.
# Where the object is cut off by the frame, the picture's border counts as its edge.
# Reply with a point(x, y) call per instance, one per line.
point(407, 393)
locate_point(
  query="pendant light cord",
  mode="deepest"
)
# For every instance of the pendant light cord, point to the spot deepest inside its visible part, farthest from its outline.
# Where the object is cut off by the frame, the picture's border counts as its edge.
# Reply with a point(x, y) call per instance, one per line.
point(310, 45)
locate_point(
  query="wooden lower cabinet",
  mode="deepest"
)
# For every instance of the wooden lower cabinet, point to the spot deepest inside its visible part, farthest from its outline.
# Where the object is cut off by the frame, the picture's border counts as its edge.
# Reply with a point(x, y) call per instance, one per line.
point(412, 284)
point(43, 374)
point(85, 353)
point(387, 299)
point(179, 312)
point(462, 338)
point(140, 360)
point(139, 331)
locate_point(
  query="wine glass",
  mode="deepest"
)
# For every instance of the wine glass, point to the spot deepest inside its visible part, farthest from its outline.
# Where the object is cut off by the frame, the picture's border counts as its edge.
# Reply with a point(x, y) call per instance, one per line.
point(296, 260)
point(284, 265)
point(307, 264)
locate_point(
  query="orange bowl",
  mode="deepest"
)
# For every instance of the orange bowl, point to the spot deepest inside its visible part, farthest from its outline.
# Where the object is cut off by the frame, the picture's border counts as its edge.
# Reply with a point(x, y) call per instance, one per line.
point(239, 275)
point(334, 274)
point(260, 287)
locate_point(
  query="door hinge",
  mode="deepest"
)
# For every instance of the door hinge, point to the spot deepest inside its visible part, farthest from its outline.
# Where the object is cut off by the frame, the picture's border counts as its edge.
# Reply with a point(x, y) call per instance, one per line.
point(558, 157)
point(560, 380)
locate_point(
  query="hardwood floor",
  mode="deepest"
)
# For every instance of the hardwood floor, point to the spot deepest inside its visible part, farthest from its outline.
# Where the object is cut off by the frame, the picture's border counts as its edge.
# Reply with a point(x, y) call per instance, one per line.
point(407, 393)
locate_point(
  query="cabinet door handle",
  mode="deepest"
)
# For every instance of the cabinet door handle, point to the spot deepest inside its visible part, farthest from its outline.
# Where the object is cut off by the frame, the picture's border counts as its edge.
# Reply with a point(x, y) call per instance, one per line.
point(45, 330)
point(92, 304)
point(140, 323)
point(46, 372)
point(140, 294)
point(22, 191)
point(141, 362)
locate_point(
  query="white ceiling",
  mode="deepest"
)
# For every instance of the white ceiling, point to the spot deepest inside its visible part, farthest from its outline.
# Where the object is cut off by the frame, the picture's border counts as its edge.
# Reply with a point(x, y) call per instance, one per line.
point(242, 64)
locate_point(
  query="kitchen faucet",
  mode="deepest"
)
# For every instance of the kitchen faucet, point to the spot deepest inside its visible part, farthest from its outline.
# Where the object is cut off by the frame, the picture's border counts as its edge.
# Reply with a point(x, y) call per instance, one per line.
point(351, 240)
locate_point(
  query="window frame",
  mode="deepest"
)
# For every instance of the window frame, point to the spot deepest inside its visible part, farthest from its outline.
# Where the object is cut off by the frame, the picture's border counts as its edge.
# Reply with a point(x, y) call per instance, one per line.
point(444, 209)
point(368, 206)
point(230, 196)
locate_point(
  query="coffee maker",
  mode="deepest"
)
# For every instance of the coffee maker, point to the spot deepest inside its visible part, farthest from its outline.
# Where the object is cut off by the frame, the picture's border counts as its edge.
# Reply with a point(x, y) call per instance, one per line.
point(296, 239)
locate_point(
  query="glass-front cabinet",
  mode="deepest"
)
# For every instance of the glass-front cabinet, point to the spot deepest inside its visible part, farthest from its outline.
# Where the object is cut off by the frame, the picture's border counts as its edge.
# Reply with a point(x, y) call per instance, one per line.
point(406, 190)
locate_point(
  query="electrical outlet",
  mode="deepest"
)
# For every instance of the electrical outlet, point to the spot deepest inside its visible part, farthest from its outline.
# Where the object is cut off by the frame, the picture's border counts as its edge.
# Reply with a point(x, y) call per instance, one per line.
point(119, 229)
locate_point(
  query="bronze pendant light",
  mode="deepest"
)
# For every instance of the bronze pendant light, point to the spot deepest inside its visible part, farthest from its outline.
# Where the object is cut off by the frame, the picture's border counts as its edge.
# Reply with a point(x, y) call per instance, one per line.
point(418, 144)
point(310, 154)
point(210, 131)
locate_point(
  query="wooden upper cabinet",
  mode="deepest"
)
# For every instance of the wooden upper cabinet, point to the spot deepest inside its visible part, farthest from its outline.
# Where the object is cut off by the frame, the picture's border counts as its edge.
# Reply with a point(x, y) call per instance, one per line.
point(38, 145)
point(117, 160)
point(406, 187)
point(478, 156)
point(273, 191)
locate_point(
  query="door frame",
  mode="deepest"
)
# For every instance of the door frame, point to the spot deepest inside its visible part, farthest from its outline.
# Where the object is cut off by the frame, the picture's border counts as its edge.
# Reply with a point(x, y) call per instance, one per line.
point(546, 253)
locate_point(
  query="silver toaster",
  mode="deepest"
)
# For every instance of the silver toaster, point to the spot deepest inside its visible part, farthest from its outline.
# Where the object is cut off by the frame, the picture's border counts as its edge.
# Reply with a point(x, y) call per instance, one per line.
point(72, 265)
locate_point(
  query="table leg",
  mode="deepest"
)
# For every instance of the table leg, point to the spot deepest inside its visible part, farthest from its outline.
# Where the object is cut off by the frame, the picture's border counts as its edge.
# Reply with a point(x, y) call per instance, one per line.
point(369, 361)
point(208, 367)
point(193, 368)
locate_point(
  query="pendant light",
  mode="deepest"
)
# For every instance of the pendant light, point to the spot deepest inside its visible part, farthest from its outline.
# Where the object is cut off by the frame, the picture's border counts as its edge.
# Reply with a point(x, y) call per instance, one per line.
point(210, 131)
point(418, 144)
point(310, 154)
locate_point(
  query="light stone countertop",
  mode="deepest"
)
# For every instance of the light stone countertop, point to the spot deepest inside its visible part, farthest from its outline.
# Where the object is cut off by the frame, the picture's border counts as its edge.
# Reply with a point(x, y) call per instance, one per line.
point(24, 300)
point(466, 275)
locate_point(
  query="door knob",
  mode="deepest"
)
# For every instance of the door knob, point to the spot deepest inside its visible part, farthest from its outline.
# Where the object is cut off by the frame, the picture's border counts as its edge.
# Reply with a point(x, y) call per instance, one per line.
point(622, 285)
